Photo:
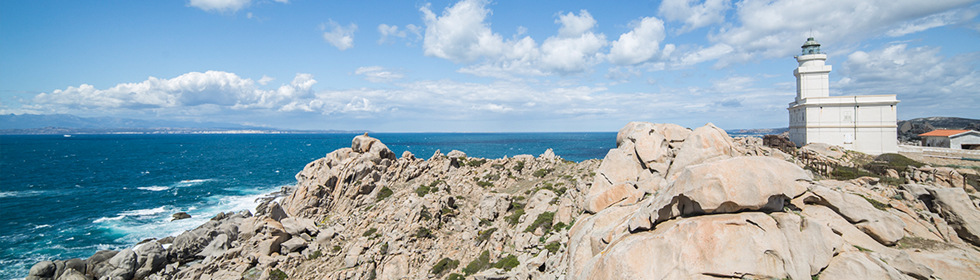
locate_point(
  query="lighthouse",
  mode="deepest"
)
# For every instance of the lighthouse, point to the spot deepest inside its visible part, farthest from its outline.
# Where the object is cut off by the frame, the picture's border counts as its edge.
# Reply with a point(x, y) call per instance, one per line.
point(864, 123)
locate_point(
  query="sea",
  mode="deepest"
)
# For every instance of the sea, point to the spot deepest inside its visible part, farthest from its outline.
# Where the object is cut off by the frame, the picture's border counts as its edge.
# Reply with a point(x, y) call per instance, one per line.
point(68, 197)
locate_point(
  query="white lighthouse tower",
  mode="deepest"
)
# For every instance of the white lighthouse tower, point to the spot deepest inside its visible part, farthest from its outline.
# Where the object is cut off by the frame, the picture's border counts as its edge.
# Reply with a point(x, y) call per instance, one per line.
point(862, 123)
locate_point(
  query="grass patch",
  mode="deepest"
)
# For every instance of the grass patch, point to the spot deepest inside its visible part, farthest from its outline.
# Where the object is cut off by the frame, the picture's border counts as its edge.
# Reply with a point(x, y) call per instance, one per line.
point(422, 190)
point(480, 263)
point(315, 254)
point(484, 184)
point(484, 235)
point(475, 162)
point(515, 217)
point(543, 221)
point(507, 263)
point(877, 204)
point(385, 192)
point(423, 233)
point(277, 274)
point(456, 276)
point(425, 214)
point(335, 248)
point(848, 173)
point(519, 166)
point(369, 232)
point(862, 249)
point(553, 247)
point(485, 222)
point(540, 173)
point(443, 265)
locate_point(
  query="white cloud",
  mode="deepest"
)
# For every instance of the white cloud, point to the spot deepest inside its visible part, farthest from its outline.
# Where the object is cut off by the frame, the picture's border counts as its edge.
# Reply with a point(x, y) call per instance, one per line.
point(640, 44)
point(389, 30)
point(932, 21)
point(703, 54)
point(339, 36)
point(221, 6)
point(265, 80)
point(694, 15)
point(378, 74)
point(283, 1)
point(926, 83)
point(776, 28)
point(575, 48)
point(460, 34)
point(211, 88)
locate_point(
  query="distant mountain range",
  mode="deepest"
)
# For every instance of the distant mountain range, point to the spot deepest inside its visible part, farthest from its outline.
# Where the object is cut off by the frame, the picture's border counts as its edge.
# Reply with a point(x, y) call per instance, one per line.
point(71, 124)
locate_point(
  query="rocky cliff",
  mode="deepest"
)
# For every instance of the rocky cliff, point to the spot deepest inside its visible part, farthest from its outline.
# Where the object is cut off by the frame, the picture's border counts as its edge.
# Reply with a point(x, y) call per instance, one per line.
point(667, 203)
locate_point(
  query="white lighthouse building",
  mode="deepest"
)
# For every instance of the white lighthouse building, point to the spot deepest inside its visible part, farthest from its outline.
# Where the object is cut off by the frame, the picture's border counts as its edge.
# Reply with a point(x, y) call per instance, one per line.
point(861, 123)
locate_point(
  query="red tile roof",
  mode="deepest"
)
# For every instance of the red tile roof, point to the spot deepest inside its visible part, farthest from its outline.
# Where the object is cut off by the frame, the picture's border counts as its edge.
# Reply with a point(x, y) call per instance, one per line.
point(943, 132)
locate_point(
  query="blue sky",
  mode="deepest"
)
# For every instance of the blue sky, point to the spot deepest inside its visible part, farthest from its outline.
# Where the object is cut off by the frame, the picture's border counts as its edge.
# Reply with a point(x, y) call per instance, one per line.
point(478, 66)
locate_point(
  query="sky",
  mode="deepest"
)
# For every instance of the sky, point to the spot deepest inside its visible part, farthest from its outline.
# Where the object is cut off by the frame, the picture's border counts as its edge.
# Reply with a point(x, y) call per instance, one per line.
point(478, 66)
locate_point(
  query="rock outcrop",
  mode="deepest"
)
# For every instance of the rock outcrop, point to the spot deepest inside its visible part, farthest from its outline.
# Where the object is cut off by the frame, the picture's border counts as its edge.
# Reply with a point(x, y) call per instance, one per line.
point(667, 203)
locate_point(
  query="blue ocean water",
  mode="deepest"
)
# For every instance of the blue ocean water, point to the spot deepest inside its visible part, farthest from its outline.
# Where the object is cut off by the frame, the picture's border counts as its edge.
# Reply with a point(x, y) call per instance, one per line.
point(67, 197)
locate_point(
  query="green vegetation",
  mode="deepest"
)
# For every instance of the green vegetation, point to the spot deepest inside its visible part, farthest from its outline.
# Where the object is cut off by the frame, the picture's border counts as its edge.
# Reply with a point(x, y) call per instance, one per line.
point(385, 192)
point(456, 276)
point(848, 173)
point(553, 247)
point(315, 254)
point(422, 190)
point(518, 210)
point(443, 265)
point(369, 232)
point(543, 221)
point(446, 211)
point(540, 173)
point(423, 233)
point(384, 248)
point(480, 263)
point(485, 222)
point(921, 243)
point(507, 263)
point(519, 166)
point(559, 225)
point(277, 275)
point(876, 204)
point(425, 214)
point(336, 248)
point(484, 235)
point(484, 184)
point(862, 249)
point(497, 166)
point(475, 163)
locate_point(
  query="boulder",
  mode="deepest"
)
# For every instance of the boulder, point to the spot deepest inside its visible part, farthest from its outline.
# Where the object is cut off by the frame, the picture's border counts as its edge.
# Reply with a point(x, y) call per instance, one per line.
point(180, 216)
point(749, 244)
point(296, 226)
point(618, 167)
point(151, 258)
point(706, 144)
point(72, 274)
point(959, 212)
point(619, 193)
point(276, 212)
point(884, 227)
point(725, 186)
point(123, 264)
point(492, 205)
point(857, 265)
point(456, 154)
point(293, 245)
point(653, 150)
point(548, 155)
point(42, 270)
point(217, 247)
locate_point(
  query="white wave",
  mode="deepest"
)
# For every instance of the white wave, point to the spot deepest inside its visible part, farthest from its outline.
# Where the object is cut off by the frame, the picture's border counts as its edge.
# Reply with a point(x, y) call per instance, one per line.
point(192, 183)
point(20, 193)
point(137, 213)
point(41, 226)
point(154, 188)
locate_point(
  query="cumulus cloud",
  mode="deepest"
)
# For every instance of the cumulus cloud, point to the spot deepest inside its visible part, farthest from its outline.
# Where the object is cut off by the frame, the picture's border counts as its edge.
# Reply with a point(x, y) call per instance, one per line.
point(378, 74)
point(776, 28)
point(338, 36)
point(389, 30)
point(695, 14)
point(211, 88)
point(462, 34)
point(221, 6)
point(265, 80)
point(925, 81)
point(640, 44)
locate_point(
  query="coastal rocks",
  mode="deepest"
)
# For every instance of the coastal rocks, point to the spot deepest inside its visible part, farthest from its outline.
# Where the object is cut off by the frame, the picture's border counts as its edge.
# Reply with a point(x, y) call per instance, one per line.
point(884, 227)
point(959, 212)
point(727, 245)
point(180, 216)
point(705, 144)
point(726, 186)
point(42, 270)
